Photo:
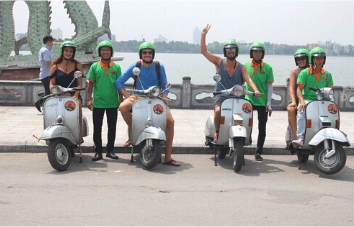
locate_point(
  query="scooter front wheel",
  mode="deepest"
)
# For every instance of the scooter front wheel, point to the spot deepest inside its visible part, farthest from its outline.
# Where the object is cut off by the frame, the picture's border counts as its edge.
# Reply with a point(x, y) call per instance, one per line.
point(238, 155)
point(151, 157)
point(59, 155)
point(330, 165)
point(222, 152)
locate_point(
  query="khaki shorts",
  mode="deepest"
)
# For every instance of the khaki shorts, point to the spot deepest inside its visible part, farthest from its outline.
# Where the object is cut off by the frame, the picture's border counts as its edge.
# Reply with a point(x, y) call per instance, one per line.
point(133, 98)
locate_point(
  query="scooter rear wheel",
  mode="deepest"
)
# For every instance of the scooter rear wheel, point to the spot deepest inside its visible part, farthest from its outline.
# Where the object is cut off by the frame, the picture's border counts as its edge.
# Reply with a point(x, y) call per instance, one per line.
point(238, 155)
point(59, 155)
point(222, 153)
point(331, 165)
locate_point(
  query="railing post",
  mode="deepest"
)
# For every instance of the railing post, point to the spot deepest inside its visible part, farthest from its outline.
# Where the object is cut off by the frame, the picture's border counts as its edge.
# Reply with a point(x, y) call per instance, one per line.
point(186, 93)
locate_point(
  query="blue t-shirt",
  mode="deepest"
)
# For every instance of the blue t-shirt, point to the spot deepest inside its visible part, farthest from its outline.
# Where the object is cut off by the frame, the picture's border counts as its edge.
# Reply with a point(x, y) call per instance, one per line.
point(228, 81)
point(44, 55)
point(148, 77)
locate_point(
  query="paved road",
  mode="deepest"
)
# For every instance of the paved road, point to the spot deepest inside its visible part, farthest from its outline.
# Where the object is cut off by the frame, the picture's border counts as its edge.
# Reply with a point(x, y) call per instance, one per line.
point(272, 192)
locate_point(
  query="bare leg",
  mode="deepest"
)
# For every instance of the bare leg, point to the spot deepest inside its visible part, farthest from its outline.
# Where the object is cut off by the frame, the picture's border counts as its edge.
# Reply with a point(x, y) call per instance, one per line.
point(170, 129)
point(292, 120)
point(125, 108)
point(217, 118)
point(80, 118)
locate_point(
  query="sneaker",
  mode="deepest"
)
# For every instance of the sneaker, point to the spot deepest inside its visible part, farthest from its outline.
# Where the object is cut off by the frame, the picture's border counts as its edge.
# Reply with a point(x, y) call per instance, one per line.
point(298, 143)
point(258, 157)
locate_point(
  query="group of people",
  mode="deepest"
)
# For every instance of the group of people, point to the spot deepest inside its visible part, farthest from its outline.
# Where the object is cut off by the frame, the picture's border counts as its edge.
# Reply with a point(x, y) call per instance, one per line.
point(106, 86)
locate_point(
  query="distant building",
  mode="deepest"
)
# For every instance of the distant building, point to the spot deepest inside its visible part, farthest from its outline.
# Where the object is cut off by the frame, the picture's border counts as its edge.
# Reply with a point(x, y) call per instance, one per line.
point(243, 45)
point(214, 44)
point(160, 39)
point(19, 36)
point(196, 36)
point(57, 33)
point(105, 37)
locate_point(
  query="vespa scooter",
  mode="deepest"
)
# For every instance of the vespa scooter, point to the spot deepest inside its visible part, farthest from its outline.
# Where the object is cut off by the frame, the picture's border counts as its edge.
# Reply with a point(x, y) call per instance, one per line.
point(148, 125)
point(236, 121)
point(322, 136)
point(61, 125)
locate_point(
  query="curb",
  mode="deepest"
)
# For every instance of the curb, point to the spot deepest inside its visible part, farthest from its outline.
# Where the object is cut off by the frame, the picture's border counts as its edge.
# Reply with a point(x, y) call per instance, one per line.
point(175, 150)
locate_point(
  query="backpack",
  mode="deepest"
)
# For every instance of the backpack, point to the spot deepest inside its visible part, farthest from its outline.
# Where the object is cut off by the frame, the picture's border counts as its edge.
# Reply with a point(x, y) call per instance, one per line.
point(157, 65)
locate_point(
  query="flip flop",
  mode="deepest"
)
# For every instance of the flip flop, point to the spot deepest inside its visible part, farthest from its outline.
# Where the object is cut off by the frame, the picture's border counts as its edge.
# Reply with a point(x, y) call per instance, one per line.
point(127, 144)
point(172, 163)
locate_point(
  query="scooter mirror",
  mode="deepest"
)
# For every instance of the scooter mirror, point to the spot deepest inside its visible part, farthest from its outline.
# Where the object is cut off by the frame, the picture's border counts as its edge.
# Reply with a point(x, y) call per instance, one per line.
point(78, 74)
point(217, 78)
point(136, 71)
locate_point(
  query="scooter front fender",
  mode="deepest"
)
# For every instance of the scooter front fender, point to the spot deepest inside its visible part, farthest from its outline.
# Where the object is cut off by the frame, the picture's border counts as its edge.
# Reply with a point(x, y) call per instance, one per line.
point(237, 131)
point(329, 133)
point(58, 131)
point(151, 133)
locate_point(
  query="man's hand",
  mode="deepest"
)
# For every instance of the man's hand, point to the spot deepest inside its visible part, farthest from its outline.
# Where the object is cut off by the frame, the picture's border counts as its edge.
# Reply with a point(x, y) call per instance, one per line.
point(257, 94)
point(302, 106)
point(269, 110)
point(89, 104)
point(206, 29)
point(292, 105)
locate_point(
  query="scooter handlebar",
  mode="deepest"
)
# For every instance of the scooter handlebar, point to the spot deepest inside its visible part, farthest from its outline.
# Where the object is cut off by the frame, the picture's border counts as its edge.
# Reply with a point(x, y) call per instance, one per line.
point(313, 89)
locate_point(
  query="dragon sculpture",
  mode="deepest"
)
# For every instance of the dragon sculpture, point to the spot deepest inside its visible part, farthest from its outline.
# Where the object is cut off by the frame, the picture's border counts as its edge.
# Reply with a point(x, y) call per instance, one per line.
point(86, 35)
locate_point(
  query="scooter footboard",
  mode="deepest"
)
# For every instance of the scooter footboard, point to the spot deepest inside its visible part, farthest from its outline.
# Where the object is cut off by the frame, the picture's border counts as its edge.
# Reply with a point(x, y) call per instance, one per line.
point(151, 133)
point(57, 131)
point(329, 133)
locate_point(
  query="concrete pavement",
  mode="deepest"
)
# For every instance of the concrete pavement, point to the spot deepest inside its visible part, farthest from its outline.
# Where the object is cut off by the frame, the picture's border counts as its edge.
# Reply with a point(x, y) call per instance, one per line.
point(19, 124)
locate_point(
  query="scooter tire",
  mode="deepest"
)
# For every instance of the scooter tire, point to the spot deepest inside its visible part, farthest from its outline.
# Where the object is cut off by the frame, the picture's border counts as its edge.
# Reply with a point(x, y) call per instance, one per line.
point(238, 155)
point(59, 155)
point(222, 153)
point(152, 157)
point(332, 165)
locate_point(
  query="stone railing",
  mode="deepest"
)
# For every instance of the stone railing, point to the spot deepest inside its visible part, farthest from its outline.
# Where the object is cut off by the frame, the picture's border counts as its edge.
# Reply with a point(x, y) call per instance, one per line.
point(185, 96)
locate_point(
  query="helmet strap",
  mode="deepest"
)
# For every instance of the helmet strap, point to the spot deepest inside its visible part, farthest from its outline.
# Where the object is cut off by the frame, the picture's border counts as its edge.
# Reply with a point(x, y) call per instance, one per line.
point(147, 62)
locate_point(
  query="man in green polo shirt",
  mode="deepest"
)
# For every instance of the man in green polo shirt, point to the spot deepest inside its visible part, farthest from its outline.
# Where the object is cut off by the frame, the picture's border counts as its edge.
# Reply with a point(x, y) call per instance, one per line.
point(314, 76)
point(262, 75)
point(102, 77)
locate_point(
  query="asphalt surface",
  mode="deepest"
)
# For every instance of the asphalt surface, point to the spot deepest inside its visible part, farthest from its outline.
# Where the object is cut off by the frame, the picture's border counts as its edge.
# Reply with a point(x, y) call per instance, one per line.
point(116, 192)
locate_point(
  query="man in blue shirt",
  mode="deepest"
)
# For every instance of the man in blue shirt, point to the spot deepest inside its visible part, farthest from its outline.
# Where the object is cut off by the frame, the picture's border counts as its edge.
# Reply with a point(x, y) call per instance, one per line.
point(148, 78)
point(45, 59)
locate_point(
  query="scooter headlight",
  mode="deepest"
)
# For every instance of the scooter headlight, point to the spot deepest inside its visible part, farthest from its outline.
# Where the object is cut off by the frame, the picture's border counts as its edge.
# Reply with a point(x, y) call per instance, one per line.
point(55, 90)
point(238, 91)
point(155, 91)
point(59, 120)
point(328, 94)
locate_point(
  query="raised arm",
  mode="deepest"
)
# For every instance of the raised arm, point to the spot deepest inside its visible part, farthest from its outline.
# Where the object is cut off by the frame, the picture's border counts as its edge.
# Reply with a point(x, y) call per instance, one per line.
point(216, 60)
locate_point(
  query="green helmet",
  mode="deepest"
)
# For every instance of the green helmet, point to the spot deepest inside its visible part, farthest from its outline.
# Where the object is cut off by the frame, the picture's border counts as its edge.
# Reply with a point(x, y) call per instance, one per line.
point(317, 52)
point(302, 53)
point(257, 46)
point(147, 45)
point(67, 44)
point(231, 44)
point(104, 44)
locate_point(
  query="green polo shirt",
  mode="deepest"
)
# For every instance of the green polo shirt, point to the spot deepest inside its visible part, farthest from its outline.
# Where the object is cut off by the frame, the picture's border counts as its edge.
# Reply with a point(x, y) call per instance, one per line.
point(105, 94)
point(261, 78)
point(308, 78)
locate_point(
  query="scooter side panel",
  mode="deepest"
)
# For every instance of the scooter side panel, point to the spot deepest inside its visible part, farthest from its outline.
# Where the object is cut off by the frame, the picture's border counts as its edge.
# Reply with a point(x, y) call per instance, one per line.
point(329, 133)
point(143, 109)
point(209, 130)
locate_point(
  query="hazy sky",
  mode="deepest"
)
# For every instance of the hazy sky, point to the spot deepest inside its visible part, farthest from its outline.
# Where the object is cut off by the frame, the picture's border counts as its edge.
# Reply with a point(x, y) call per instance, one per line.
point(287, 22)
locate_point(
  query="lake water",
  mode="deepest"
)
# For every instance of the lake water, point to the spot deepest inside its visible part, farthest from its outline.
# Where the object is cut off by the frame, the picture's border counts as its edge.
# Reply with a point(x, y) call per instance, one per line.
point(201, 71)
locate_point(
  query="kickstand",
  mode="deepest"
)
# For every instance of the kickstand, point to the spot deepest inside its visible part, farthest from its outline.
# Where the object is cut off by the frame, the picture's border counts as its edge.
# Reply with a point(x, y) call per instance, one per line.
point(80, 161)
point(215, 156)
point(299, 157)
point(131, 158)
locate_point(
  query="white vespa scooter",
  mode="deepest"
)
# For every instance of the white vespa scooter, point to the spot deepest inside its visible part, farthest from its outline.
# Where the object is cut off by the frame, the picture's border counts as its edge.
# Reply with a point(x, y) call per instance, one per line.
point(322, 136)
point(236, 121)
point(61, 125)
point(148, 125)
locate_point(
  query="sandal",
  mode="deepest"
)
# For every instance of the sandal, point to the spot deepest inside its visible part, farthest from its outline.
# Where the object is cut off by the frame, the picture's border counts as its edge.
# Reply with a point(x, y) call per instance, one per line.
point(172, 163)
point(127, 144)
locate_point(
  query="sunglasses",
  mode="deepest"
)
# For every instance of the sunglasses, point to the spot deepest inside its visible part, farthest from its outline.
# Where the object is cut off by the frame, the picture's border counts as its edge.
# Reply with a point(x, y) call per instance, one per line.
point(300, 58)
point(230, 49)
point(147, 52)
